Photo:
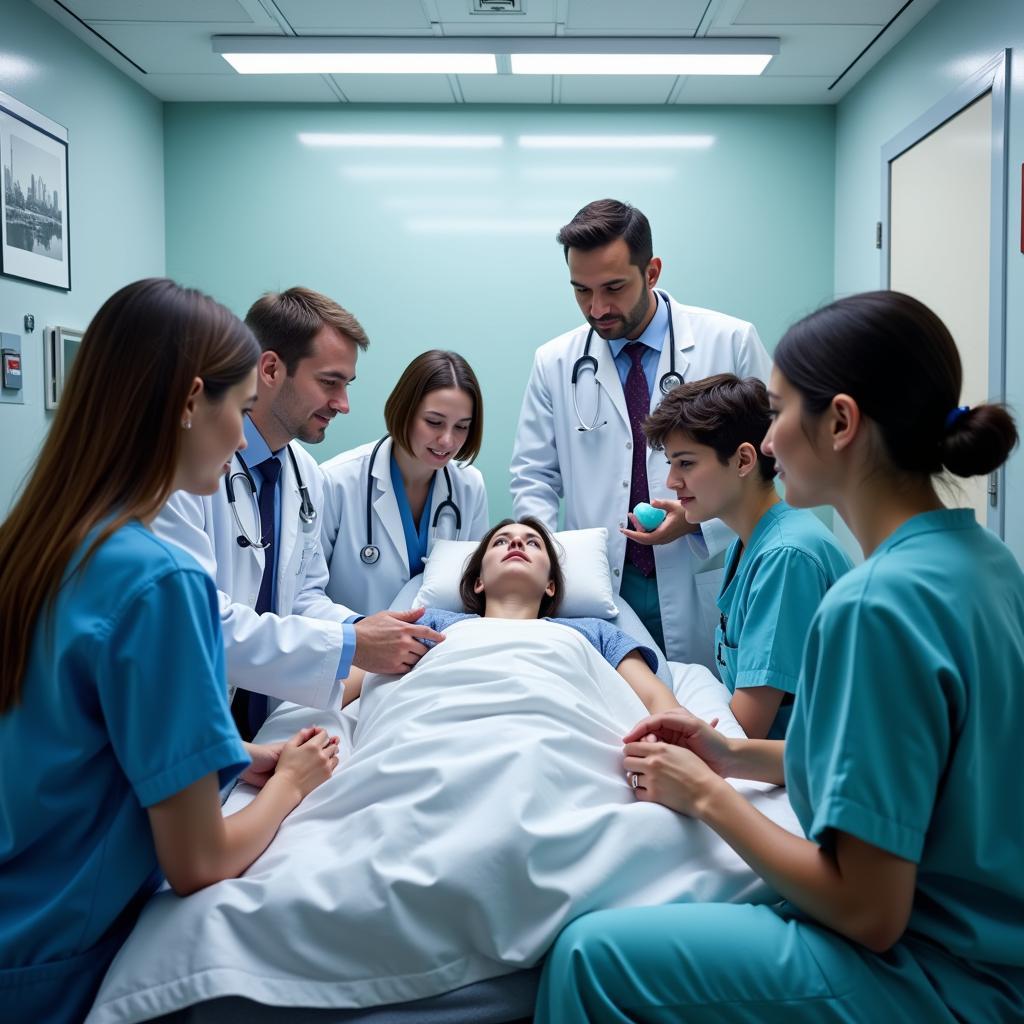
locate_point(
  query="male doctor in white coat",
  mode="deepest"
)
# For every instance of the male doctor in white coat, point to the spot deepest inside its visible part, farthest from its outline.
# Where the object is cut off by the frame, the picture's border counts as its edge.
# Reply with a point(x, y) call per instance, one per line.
point(586, 444)
point(284, 638)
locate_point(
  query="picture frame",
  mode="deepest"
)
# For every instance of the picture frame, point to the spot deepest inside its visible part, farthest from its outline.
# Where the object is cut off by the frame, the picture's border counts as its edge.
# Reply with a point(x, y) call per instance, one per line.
point(35, 242)
point(60, 346)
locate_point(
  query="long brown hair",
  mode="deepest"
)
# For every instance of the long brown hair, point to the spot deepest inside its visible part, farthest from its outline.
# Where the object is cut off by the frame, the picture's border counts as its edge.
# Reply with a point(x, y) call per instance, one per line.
point(112, 451)
point(477, 603)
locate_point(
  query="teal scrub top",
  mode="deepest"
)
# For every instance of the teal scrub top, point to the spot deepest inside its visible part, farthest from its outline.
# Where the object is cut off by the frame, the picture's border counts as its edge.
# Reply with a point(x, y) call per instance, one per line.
point(124, 704)
point(907, 735)
point(770, 592)
point(417, 535)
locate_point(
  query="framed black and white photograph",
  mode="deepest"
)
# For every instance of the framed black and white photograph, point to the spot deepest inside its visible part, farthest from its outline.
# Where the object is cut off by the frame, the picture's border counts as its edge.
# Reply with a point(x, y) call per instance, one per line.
point(34, 237)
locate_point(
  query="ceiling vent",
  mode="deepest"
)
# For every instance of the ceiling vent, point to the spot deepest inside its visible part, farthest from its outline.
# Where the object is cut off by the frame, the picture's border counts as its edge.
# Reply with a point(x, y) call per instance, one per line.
point(496, 7)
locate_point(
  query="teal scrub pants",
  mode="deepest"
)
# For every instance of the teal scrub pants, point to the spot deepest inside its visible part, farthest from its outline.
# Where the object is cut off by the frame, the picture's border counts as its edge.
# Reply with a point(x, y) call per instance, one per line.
point(724, 963)
point(640, 592)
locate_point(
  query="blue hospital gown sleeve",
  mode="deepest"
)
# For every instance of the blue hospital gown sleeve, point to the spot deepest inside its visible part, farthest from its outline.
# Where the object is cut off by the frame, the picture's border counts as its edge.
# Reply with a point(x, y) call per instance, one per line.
point(162, 688)
point(854, 761)
point(611, 642)
point(787, 586)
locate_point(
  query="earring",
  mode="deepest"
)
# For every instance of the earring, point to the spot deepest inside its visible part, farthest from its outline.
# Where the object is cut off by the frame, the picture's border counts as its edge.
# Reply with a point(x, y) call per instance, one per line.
point(186, 424)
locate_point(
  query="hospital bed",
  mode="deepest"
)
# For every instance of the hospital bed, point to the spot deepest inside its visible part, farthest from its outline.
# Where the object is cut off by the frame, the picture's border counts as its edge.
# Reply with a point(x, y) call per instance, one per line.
point(492, 1000)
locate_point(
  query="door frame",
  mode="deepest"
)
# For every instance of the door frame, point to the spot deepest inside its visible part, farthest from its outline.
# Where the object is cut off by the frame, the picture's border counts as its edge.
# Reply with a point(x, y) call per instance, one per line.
point(990, 78)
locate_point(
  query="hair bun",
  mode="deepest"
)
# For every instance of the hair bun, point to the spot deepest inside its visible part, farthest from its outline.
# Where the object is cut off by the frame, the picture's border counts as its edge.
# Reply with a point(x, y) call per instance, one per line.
point(978, 440)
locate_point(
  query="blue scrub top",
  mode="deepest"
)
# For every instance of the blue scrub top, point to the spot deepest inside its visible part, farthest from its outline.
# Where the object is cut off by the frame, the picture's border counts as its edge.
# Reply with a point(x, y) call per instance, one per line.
point(907, 735)
point(770, 592)
point(417, 536)
point(124, 704)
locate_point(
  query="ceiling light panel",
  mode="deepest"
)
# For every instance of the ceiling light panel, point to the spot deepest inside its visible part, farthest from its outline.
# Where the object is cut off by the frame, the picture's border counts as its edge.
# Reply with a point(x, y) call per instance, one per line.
point(639, 63)
point(363, 63)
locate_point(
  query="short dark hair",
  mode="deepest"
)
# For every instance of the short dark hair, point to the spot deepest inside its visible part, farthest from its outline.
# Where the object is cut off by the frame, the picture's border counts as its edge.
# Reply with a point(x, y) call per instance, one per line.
point(898, 361)
point(286, 323)
point(432, 371)
point(605, 220)
point(722, 412)
point(477, 603)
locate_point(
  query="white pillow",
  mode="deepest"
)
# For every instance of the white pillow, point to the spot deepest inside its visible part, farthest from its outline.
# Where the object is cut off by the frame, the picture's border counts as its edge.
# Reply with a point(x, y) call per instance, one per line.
point(584, 559)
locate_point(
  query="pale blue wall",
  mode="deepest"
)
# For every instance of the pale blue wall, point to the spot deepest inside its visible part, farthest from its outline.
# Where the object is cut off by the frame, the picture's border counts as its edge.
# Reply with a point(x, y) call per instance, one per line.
point(116, 185)
point(454, 247)
point(956, 39)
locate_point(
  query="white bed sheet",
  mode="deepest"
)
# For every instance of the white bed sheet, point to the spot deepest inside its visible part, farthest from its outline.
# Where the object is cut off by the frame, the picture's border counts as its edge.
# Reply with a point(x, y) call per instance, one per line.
point(482, 808)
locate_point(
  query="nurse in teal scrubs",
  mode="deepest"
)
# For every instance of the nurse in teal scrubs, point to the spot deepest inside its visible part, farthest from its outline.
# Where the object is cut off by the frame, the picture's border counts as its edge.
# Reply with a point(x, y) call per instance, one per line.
point(115, 734)
point(904, 898)
point(783, 559)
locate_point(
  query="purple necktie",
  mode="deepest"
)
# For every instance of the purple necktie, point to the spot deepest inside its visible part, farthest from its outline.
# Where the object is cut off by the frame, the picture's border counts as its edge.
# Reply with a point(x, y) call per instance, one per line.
point(638, 405)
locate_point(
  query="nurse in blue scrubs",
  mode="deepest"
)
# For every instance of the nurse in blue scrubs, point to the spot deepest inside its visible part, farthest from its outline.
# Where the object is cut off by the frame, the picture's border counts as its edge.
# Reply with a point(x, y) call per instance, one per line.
point(387, 502)
point(783, 559)
point(904, 898)
point(115, 734)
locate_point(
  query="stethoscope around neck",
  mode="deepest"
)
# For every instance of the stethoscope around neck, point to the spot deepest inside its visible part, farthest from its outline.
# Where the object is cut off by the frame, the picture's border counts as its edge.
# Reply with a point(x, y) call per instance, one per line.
point(307, 511)
point(669, 380)
point(370, 553)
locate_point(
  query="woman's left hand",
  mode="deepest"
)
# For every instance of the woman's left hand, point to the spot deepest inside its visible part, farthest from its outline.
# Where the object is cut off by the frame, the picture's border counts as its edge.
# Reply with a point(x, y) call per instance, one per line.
point(669, 775)
point(672, 527)
point(264, 762)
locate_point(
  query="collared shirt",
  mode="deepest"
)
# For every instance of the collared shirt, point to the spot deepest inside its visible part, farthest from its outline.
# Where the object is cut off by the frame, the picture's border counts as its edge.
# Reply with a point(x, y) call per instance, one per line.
point(417, 536)
point(653, 337)
point(257, 450)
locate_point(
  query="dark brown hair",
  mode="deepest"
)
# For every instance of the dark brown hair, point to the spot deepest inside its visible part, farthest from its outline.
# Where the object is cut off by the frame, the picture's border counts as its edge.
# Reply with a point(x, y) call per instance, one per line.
point(721, 412)
point(138, 359)
point(286, 323)
point(605, 220)
point(433, 371)
point(898, 361)
point(477, 603)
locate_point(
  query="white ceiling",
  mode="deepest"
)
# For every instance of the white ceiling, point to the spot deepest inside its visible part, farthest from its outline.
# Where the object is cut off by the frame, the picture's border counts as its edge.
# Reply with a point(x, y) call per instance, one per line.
point(165, 45)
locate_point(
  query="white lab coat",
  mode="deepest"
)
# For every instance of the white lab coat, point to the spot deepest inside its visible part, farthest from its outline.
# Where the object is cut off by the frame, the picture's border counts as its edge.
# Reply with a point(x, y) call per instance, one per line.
point(553, 459)
point(372, 588)
point(289, 654)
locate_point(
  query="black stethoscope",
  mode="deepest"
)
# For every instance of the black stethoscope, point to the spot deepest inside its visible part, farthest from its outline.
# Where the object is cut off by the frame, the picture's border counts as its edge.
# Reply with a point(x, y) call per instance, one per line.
point(370, 553)
point(307, 513)
point(669, 380)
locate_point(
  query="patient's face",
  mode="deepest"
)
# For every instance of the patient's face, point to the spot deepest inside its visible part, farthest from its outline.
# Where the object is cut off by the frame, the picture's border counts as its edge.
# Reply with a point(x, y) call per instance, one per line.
point(706, 488)
point(516, 563)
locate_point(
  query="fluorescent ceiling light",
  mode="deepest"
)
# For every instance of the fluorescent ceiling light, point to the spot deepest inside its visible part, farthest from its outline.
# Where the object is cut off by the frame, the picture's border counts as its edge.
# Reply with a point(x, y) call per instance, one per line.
point(616, 142)
point(381, 140)
point(363, 63)
point(639, 63)
point(470, 55)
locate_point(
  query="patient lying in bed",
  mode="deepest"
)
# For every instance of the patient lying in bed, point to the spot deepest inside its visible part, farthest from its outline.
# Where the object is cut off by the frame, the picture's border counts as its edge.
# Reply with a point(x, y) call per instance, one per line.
point(482, 807)
point(515, 573)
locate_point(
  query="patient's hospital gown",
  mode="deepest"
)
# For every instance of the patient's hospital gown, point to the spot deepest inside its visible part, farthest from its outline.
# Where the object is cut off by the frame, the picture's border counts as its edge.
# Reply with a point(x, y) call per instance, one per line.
point(905, 735)
point(124, 705)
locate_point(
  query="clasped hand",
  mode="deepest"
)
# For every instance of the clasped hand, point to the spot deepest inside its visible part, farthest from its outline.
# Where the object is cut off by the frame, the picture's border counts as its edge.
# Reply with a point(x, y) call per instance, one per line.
point(678, 759)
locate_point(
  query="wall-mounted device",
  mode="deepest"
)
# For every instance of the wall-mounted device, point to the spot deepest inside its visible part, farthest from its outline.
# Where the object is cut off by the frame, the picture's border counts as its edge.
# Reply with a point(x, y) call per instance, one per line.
point(11, 370)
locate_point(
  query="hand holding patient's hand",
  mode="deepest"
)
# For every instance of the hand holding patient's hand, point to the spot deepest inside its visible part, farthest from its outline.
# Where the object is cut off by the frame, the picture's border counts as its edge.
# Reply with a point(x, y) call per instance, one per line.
point(681, 728)
point(308, 759)
point(389, 642)
point(672, 527)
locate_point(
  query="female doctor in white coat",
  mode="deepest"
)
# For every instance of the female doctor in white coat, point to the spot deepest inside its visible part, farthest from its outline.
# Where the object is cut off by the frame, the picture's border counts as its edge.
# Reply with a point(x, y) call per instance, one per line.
point(386, 502)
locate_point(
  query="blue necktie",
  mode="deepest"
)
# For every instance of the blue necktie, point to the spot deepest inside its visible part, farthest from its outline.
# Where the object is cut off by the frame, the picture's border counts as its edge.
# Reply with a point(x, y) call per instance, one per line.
point(638, 405)
point(251, 710)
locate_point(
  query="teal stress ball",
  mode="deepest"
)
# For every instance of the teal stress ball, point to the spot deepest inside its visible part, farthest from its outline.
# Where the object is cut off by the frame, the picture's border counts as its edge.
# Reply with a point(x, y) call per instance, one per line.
point(649, 517)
